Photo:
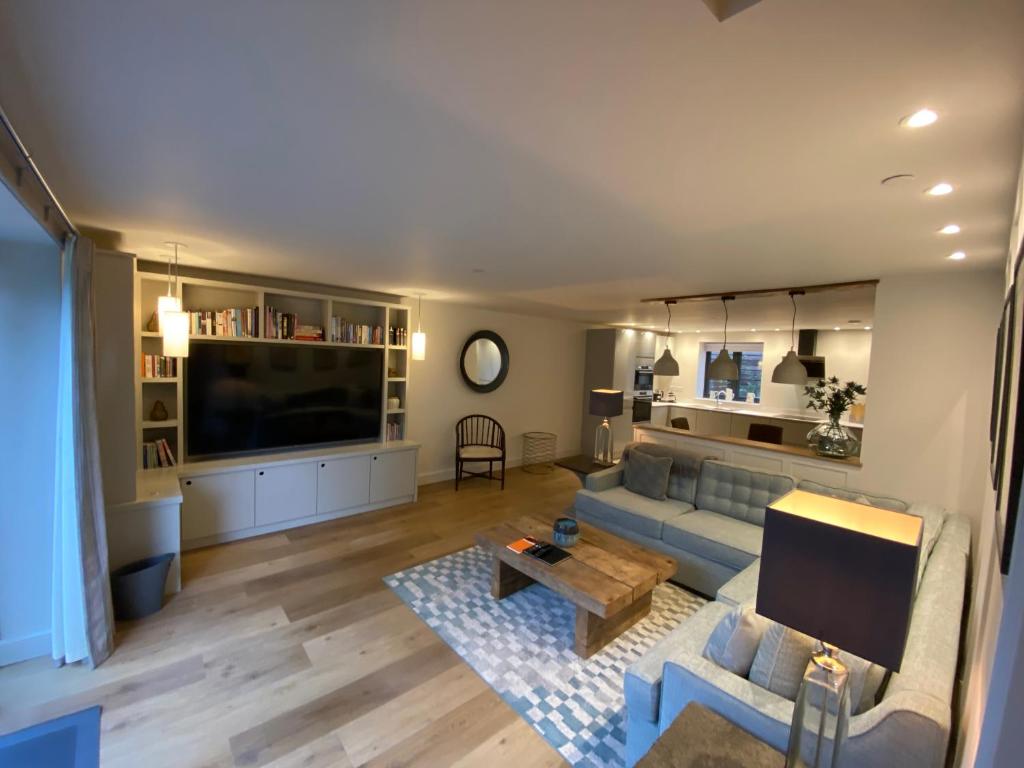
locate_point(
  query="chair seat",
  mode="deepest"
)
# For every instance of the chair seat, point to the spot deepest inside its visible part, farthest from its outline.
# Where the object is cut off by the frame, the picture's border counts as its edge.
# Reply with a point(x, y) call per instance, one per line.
point(480, 452)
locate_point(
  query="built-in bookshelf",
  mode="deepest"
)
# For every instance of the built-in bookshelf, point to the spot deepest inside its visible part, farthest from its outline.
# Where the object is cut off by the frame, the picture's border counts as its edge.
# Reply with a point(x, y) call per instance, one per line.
point(248, 313)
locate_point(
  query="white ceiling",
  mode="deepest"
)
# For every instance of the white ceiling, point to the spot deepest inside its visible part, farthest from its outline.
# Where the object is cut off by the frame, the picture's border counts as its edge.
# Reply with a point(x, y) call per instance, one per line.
point(565, 158)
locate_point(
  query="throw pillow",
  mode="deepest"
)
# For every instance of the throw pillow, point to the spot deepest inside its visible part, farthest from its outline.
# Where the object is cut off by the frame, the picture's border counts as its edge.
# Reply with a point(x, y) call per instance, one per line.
point(734, 642)
point(781, 660)
point(648, 475)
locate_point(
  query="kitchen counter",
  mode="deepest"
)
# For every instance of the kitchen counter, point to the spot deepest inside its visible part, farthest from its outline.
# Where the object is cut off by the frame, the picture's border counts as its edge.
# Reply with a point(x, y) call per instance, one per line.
point(754, 410)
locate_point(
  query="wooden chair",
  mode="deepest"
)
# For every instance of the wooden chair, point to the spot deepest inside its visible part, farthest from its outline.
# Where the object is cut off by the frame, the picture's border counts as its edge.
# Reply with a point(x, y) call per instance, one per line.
point(479, 439)
point(680, 422)
point(765, 433)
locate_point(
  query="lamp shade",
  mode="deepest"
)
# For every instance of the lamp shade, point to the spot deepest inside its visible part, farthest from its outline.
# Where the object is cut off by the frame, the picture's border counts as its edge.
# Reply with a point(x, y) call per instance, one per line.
point(167, 303)
point(841, 572)
point(174, 328)
point(419, 345)
point(666, 365)
point(790, 370)
point(723, 367)
point(606, 402)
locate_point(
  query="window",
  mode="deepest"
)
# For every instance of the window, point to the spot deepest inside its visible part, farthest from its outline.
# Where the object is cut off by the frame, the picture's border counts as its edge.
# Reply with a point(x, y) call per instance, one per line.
point(748, 357)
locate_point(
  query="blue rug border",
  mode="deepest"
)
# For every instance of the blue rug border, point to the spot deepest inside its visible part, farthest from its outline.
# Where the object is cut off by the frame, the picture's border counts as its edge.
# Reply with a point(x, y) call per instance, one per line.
point(86, 723)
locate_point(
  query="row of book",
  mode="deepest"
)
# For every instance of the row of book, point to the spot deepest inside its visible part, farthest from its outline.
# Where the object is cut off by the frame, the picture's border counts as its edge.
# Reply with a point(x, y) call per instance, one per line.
point(243, 322)
point(354, 333)
point(159, 367)
point(397, 336)
point(286, 325)
point(393, 431)
point(157, 454)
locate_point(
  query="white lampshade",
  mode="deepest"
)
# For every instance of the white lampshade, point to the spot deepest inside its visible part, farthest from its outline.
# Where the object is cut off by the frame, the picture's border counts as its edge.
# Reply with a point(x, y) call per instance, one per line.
point(790, 370)
point(419, 345)
point(723, 367)
point(167, 303)
point(174, 327)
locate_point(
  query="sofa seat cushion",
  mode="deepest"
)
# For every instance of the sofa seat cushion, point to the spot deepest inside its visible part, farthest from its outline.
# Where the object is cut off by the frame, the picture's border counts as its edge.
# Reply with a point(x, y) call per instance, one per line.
point(719, 538)
point(630, 510)
point(739, 492)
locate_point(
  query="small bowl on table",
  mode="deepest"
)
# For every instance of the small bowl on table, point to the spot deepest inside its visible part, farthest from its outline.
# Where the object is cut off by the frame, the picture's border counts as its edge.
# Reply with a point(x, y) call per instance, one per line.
point(565, 532)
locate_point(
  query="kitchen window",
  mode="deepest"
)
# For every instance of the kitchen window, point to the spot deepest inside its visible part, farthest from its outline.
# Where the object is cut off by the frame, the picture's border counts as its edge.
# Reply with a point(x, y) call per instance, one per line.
point(748, 357)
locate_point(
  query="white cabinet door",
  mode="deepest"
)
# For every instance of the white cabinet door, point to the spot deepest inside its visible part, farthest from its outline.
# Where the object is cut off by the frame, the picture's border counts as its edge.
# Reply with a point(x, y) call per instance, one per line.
point(285, 493)
point(342, 484)
point(393, 475)
point(215, 504)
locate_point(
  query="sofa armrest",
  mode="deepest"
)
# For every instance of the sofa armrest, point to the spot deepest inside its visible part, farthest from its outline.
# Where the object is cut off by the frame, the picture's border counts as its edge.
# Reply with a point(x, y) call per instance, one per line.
point(906, 728)
point(605, 479)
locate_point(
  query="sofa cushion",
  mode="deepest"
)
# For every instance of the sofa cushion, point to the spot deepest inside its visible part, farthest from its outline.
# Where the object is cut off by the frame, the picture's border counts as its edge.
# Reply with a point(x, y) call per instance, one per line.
point(682, 480)
point(735, 640)
point(739, 492)
point(715, 537)
point(882, 502)
point(630, 510)
point(933, 516)
point(647, 475)
point(781, 660)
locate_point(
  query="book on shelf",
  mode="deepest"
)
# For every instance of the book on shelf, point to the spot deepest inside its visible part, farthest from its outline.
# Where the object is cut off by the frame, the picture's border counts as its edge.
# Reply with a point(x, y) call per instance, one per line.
point(240, 322)
point(397, 336)
point(286, 325)
point(159, 367)
point(393, 431)
point(157, 454)
point(355, 333)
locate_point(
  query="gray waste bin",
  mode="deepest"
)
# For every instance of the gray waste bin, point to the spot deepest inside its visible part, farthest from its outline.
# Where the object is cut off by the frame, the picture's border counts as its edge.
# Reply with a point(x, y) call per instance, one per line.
point(138, 588)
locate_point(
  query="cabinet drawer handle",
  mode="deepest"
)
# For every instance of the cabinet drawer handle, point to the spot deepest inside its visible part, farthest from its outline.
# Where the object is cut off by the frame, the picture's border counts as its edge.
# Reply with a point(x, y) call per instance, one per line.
point(188, 482)
point(322, 466)
point(374, 458)
point(261, 473)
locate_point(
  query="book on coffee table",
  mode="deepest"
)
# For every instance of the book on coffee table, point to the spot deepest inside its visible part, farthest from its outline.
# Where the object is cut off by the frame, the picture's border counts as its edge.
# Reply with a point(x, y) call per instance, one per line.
point(541, 550)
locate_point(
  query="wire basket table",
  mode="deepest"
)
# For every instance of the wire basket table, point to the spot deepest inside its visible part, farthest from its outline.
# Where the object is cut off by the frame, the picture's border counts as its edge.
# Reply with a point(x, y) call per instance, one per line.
point(539, 452)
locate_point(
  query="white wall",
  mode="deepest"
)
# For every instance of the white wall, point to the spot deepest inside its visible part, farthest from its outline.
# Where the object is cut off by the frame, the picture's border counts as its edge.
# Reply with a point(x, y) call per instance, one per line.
point(543, 390)
point(29, 306)
point(847, 355)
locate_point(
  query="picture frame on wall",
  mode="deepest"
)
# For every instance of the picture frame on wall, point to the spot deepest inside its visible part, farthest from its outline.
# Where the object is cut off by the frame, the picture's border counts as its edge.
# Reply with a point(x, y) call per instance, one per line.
point(1006, 521)
point(1003, 384)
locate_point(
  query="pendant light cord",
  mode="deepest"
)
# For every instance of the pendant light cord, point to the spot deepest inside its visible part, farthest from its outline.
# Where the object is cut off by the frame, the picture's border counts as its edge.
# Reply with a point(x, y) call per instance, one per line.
point(668, 328)
point(419, 313)
point(792, 327)
point(725, 332)
point(176, 275)
point(168, 274)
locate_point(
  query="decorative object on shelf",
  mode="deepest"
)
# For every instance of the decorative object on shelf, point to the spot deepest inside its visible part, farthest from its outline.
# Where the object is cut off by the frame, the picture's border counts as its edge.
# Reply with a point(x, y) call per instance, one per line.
point(174, 323)
point(791, 370)
point(158, 412)
point(605, 403)
point(394, 403)
point(419, 338)
point(393, 373)
point(723, 367)
point(539, 452)
point(153, 326)
point(813, 580)
point(484, 361)
point(666, 364)
point(565, 532)
point(830, 438)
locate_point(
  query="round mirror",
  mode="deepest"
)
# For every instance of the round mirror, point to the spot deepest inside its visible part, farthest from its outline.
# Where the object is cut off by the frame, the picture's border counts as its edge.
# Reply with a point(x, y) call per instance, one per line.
point(484, 361)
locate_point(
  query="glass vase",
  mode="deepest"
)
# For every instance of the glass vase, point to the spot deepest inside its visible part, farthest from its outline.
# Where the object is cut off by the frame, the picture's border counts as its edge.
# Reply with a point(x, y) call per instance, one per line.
point(832, 439)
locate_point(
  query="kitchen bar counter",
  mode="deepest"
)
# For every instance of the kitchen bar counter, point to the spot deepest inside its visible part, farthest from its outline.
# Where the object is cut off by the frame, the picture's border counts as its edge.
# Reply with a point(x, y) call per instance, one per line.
point(753, 409)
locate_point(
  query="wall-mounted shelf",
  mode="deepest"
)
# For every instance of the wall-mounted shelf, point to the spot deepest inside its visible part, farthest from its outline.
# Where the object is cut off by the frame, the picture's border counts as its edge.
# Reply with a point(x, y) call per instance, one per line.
point(165, 424)
point(159, 379)
point(396, 378)
point(393, 411)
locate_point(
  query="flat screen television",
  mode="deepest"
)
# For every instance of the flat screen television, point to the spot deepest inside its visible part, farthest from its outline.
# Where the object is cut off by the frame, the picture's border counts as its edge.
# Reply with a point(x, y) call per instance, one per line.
point(249, 397)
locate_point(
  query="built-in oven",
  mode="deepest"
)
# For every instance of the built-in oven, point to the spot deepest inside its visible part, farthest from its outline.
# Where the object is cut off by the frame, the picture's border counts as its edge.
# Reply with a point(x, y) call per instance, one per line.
point(641, 409)
point(643, 381)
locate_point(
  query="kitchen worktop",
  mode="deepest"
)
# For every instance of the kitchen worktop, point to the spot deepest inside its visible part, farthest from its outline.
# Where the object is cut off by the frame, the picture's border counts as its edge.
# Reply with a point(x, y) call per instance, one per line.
point(753, 409)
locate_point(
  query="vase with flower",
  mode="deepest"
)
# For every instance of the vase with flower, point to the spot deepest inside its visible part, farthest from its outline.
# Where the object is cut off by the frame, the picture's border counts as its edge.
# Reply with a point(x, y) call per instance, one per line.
point(829, 396)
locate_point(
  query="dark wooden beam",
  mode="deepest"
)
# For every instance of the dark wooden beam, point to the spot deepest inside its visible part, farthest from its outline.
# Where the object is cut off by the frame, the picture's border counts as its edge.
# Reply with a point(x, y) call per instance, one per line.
point(765, 291)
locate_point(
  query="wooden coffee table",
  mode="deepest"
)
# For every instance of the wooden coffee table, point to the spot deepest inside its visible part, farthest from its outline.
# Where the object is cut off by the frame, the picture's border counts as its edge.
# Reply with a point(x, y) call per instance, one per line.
point(608, 579)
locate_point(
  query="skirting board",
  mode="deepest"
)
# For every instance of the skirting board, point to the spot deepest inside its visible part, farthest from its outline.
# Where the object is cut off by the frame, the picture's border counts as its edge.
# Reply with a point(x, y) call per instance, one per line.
point(440, 475)
point(24, 648)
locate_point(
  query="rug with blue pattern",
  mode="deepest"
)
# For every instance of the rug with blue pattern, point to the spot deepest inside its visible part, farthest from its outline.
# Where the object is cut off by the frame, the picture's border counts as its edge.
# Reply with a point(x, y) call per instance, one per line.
point(522, 647)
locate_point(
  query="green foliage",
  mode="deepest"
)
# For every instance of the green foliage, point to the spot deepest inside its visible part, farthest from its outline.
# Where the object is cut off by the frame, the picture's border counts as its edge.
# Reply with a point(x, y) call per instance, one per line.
point(832, 397)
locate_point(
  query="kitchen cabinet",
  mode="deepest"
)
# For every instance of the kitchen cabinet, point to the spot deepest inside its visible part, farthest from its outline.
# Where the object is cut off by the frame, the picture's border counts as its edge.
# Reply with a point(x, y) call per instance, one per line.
point(343, 484)
point(217, 504)
point(286, 492)
point(392, 475)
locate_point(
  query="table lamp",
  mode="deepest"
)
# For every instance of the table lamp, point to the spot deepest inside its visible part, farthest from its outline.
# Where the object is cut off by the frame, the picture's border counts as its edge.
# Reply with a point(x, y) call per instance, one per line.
point(843, 573)
point(605, 403)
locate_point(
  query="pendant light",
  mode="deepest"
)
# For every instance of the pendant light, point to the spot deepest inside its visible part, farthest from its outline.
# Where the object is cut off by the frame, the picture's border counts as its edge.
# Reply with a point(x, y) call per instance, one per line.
point(791, 370)
point(419, 338)
point(724, 367)
point(667, 365)
point(173, 322)
point(168, 303)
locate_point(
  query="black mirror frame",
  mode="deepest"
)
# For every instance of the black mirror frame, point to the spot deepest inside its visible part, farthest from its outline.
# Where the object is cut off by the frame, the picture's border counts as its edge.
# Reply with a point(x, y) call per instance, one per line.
point(502, 350)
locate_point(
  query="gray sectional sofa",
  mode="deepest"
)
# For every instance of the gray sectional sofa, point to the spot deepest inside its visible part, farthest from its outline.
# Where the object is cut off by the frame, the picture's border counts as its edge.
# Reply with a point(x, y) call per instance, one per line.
point(907, 723)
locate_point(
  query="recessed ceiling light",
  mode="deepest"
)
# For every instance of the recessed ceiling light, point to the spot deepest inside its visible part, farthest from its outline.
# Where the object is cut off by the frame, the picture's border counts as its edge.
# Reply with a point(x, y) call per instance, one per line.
point(867, 327)
point(697, 331)
point(778, 329)
point(836, 328)
point(919, 119)
point(950, 229)
point(753, 330)
point(942, 188)
point(957, 256)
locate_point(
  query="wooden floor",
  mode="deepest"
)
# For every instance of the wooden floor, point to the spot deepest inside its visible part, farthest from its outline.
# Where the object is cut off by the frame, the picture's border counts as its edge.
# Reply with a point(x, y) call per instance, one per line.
point(288, 650)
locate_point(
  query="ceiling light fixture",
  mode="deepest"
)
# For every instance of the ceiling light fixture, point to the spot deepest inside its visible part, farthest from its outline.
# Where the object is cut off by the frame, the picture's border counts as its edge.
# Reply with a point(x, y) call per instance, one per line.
point(724, 367)
point(950, 229)
point(666, 364)
point(867, 327)
point(940, 189)
point(791, 370)
point(170, 302)
point(837, 328)
point(174, 324)
point(919, 119)
point(419, 338)
point(957, 256)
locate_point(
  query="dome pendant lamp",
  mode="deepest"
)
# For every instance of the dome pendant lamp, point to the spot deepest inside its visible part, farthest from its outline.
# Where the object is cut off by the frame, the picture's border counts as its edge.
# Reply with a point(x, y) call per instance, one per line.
point(724, 367)
point(667, 365)
point(791, 370)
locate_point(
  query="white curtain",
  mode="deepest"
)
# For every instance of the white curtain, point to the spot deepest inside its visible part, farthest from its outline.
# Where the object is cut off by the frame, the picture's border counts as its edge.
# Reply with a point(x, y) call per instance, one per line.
point(82, 619)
